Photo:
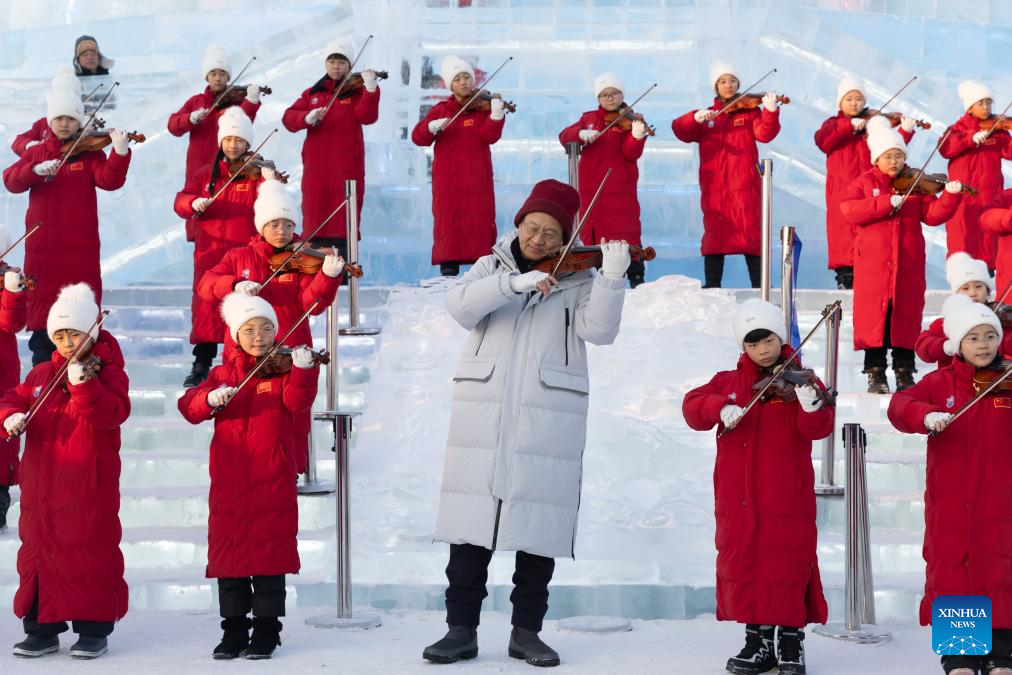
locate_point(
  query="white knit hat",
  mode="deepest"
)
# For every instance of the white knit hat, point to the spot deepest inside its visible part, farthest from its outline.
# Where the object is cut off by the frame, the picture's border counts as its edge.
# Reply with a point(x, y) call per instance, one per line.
point(847, 85)
point(235, 122)
point(238, 308)
point(882, 138)
point(754, 314)
point(60, 103)
point(343, 47)
point(970, 92)
point(720, 68)
point(273, 202)
point(75, 308)
point(453, 66)
point(65, 80)
point(960, 268)
point(216, 58)
point(606, 81)
point(960, 315)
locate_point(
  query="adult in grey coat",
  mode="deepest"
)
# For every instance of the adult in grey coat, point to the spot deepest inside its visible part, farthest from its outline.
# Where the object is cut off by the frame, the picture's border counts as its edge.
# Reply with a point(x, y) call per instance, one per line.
point(518, 423)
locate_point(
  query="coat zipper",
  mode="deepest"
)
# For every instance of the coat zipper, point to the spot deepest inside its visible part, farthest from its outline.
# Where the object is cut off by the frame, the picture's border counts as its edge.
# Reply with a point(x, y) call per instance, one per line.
point(495, 530)
point(566, 336)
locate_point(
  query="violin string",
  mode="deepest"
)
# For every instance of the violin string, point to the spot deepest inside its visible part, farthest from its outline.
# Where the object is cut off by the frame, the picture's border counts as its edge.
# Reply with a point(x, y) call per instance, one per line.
point(579, 225)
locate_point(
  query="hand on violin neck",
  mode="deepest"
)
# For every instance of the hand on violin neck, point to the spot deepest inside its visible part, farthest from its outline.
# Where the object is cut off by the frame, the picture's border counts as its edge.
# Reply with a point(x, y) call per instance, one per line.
point(770, 101)
point(302, 357)
point(333, 264)
point(907, 123)
point(120, 141)
point(369, 80)
point(615, 258)
point(954, 187)
point(253, 93)
point(809, 397)
point(639, 129)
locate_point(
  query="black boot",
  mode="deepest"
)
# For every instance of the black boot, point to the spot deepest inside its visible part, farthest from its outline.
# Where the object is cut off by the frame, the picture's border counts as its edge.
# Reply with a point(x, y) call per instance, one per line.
point(266, 638)
point(197, 374)
point(5, 505)
point(791, 651)
point(904, 378)
point(35, 645)
point(757, 656)
point(877, 383)
point(636, 273)
point(449, 269)
point(525, 644)
point(235, 639)
point(459, 643)
point(844, 278)
point(89, 647)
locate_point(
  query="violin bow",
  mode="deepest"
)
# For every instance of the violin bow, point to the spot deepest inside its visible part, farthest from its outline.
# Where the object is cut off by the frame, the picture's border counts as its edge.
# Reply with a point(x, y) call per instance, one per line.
point(736, 98)
point(347, 76)
point(477, 93)
point(277, 345)
point(81, 134)
point(999, 300)
point(302, 244)
point(253, 155)
point(51, 386)
point(579, 225)
point(1003, 115)
point(92, 93)
point(878, 111)
point(826, 313)
point(973, 401)
point(27, 234)
point(231, 84)
point(628, 109)
point(920, 173)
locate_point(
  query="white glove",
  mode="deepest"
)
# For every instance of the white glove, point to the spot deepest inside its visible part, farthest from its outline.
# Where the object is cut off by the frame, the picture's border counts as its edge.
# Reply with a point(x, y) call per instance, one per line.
point(220, 396)
point(589, 135)
point(498, 109)
point(907, 123)
point(314, 116)
point(896, 200)
point(46, 168)
point(31, 144)
point(702, 116)
point(770, 101)
point(333, 264)
point(953, 187)
point(639, 129)
point(248, 287)
point(14, 422)
point(979, 137)
point(75, 372)
point(858, 123)
point(730, 415)
point(268, 173)
point(369, 80)
point(527, 282)
point(435, 126)
point(12, 282)
point(253, 93)
point(614, 259)
point(200, 204)
point(808, 397)
point(302, 357)
point(120, 141)
point(935, 421)
point(198, 115)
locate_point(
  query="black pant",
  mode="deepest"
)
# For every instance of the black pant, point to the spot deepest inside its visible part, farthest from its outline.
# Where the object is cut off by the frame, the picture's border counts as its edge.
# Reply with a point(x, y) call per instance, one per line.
point(42, 347)
point(32, 625)
point(451, 268)
point(204, 352)
point(467, 573)
point(264, 596)
point(637, 270)
point(844, 277)
point(713, 270)
point(875, 357)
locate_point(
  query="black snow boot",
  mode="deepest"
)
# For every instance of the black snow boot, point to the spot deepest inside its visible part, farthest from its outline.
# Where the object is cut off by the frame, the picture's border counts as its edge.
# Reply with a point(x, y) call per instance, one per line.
point(235, 639)
point(877, 382)
point(198, 373)
point(266, 638)
point(525, 644)
point(791, 651)
point(5, 505)
point(459, 643)
point(636, 273)
point(449, 269)
point(757, 656)
point(35, 645)
point(89, 647)
point(904, 378)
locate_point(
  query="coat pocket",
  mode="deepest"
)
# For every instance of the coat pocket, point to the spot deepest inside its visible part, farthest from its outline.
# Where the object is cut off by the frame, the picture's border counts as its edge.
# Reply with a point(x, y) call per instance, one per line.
point(565, 378)
point(474, 369)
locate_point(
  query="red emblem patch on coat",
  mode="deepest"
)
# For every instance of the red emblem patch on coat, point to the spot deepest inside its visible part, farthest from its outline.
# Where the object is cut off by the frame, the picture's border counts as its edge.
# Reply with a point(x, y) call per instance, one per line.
point(740, 122)
point(345, 101)
point(242, 187)
point(264, 387)
point(468, 123)
point(1002, 402)
point(286, 278)
point(76, 166)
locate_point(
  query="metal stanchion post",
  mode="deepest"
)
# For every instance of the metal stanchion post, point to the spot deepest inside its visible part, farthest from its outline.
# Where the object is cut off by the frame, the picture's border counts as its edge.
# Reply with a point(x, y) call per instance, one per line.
point(311, 485)
point(351, 218)
point(573, 153)
point(766, 169)
point(859, 592)
point(787, 276)
point(828, 487)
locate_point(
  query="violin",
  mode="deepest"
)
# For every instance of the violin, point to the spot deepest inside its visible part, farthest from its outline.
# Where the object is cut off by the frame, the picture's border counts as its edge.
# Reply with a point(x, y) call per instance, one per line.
point(255, 168)
point(236, 94)
point(582, 258)
point(26, 281)
point(786, 382)
point(751, 102)
point(307, 261)
point(626, 117)
point(280, 362)
point(1004, 314)
point(986, 376)
point(483, 103)
point(895, 118)
point(929, 183)
point(95, 139)
point(92, 365)
point(989, 123)
point(356, 82)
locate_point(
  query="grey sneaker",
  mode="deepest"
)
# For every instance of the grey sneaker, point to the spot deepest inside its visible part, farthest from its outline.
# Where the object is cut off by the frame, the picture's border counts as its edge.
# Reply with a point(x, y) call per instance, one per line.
point(526, 645)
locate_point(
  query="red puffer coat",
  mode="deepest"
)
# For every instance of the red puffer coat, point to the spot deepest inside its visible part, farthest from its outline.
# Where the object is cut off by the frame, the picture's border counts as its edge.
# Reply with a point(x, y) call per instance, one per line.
point(333, 152)
point(729, 180)
point(616, 215)
point(69, 526)
point(967, 500)
point(13, 314)
point(463, 196)
point(38, 132)
point(225, 224)
point(979, 167)
point(997, 220)
point(847, 157)
point(889, 258)
point(203, 135)
point(929, 344)
point(764, 487)
point(66, 249)
point(253, 523)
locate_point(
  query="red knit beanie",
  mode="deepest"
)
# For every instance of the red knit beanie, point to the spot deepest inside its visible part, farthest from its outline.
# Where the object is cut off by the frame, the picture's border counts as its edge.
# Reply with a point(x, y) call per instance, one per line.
point(557, 199)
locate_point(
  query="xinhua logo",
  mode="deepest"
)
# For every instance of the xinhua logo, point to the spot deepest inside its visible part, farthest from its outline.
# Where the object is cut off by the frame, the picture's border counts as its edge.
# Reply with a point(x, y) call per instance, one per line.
point(961, 624)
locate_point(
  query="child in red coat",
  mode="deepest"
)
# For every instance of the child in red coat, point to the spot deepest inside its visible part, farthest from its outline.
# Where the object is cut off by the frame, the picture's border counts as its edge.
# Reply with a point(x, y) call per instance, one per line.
point(764, 487)
point(70, 563)
point(997, 220)
point(13, 313)
point(63, 81)
point(616, 216)
point(967, 500)
point(253, 523)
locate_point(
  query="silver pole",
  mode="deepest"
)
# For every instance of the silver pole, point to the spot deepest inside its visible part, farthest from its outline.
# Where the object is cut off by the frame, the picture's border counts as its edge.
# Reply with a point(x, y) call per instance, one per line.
point(573, 152)
point(787, 275)
point(829, 488)
point(351, 218)
point(311, 485)
point(766, 169)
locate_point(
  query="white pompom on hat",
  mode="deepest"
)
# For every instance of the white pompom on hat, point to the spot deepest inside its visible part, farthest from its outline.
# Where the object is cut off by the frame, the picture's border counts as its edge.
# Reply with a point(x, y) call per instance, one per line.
point(273, 202)
point(971, 91)
point(341, 47)
point(607, 81)
point(238, 308)
point(960, 315)
point(235, 122)
point(216, 58)
point(754, 314)
point(64, 79)
point(452, 66)
point(75, 308)
point(719, 69)
point(882, 138)
point(961, 268)
point(64, 103)
point(847, 85)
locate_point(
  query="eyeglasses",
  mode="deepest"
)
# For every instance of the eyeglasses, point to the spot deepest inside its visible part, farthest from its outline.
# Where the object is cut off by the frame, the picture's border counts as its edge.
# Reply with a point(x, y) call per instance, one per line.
point(547, 236)
point(250, 333)
point(617, 94)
